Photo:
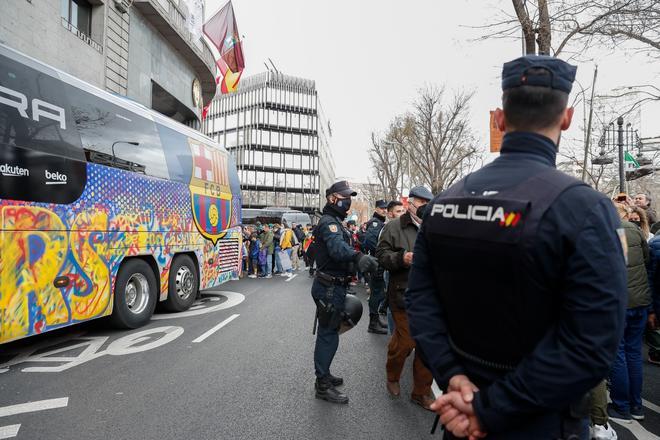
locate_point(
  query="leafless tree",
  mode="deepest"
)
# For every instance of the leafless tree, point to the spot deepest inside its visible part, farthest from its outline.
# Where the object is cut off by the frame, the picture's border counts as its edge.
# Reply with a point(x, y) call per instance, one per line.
point(387, 160)
point(431, 145)
point(443, 147)
point(577, 25)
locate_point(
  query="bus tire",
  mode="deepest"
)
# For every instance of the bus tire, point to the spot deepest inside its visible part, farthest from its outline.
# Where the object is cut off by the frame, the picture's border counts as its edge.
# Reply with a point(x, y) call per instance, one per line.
point(135, 296)
point(183, 284)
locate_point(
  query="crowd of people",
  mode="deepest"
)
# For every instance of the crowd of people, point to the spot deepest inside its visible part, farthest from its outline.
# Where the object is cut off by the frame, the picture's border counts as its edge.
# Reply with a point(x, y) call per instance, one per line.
point(275, 249)
point(639, 225)
point(524, 292)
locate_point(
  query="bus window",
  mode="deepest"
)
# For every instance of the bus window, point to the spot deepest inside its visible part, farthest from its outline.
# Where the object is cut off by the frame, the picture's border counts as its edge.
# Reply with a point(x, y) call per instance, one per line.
point(114, 136)
point(41, 158)
point(34, 113)
point(177, 153)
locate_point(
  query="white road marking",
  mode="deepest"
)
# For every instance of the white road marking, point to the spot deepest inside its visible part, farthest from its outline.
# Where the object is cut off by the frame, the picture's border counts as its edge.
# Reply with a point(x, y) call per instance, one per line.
point(39, 405)
point(216, 328)
point(290, 278)
point(651, 406)
point(638, 430)
point(233, 298)
point(9, 431)
point(68, 357)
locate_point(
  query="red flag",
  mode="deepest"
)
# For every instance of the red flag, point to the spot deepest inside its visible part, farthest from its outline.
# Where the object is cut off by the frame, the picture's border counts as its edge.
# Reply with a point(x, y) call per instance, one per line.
point(222, 30)
point(205, 110)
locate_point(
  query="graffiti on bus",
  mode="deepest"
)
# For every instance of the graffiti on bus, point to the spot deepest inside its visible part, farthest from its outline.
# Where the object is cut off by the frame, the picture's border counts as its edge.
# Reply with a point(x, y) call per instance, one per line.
point(119, 214)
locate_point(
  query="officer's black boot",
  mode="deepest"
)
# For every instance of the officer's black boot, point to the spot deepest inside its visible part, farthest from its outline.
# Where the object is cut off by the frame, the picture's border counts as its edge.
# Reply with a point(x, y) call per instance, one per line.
point(375, 326)
point(335, 381)
point(326, 391)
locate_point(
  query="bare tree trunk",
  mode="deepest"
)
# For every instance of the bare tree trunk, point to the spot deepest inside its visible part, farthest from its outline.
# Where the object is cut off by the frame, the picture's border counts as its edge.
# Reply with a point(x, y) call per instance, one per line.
point(526, 25)
point(545, 33)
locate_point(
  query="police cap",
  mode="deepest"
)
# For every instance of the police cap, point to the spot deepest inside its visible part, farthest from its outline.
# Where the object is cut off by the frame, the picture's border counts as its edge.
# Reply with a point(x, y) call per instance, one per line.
point(381, 204)
point(420, 192)
point(560, 74)
point(342, 188)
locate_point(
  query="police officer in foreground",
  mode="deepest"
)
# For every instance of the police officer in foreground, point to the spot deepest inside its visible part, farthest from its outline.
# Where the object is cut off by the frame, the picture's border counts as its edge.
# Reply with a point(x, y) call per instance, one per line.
point(335, 260)
point(376, 280)
point(517, 292)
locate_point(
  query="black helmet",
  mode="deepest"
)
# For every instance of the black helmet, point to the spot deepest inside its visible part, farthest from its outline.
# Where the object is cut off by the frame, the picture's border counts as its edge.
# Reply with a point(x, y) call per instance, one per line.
point(352, 313)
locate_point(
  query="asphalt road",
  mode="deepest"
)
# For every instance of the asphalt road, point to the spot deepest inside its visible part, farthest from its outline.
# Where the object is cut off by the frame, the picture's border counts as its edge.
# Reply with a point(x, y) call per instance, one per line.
point(238, 366)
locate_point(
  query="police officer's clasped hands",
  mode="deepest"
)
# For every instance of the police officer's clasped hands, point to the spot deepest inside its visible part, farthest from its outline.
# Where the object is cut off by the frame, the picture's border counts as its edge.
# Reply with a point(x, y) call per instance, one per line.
point(456, 411)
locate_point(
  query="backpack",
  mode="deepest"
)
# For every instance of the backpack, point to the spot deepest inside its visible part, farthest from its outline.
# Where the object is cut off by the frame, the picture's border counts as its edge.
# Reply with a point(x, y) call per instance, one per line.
point(286, 242)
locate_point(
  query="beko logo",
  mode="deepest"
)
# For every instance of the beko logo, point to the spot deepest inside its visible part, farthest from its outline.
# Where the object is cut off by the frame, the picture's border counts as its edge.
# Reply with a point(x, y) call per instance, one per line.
point(13, 171)
point(40, 109)
point(55, 178)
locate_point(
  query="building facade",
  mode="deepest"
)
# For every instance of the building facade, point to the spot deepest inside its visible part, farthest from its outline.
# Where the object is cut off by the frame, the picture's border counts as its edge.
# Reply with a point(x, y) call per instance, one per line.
point(142, 49)
point(275, 128)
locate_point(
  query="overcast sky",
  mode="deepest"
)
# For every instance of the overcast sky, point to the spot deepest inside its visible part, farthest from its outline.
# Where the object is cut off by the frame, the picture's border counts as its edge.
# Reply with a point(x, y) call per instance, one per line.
point(369, 58)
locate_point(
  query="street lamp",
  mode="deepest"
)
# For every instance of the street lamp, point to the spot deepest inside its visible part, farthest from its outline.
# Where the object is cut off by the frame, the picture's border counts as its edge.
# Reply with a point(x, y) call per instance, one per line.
point(122, 142)
point(602, 159)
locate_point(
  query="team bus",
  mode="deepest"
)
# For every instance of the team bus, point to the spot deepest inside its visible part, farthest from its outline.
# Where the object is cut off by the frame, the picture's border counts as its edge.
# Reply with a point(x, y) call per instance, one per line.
point(106, 207)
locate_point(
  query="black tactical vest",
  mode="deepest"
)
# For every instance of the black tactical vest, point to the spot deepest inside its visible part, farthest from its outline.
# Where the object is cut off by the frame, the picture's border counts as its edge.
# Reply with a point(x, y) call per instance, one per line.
point(497, 303)
point(324, 262)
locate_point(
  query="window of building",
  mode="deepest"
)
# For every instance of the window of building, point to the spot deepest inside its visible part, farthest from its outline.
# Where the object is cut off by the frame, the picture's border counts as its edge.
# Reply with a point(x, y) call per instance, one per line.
point(79, 14)
point(272, 117)
point(269, 179)
point(276, 160)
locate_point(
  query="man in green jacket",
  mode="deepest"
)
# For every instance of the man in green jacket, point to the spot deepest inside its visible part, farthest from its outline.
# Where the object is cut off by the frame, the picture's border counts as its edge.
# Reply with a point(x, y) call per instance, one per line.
point(269, 245)
point(394, 253)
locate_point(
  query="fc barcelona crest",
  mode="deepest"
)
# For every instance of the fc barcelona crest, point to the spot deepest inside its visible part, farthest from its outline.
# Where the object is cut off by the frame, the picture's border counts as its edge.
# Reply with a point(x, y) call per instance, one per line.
point(210, 191)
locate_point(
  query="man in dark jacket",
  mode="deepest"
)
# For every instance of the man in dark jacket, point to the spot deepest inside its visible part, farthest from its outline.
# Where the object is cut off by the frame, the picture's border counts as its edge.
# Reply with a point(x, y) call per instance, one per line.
point(376, 280)
point(394, 253)
point(517, 267)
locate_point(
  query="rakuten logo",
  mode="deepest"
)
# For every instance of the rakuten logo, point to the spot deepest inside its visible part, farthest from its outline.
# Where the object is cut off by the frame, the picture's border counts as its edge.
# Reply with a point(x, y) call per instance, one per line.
point(479, 213)
point(13, 171)
point(55, 178)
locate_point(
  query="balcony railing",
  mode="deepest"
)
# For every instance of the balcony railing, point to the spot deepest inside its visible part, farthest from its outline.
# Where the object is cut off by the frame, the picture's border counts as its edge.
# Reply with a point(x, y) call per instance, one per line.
point(80, 34)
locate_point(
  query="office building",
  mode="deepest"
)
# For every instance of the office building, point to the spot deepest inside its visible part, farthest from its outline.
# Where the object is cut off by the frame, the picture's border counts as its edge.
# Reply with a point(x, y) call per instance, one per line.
point(276, 131)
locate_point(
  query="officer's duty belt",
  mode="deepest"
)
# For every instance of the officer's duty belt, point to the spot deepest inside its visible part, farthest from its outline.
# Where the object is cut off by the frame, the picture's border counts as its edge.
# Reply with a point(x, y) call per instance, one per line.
point(329, 279)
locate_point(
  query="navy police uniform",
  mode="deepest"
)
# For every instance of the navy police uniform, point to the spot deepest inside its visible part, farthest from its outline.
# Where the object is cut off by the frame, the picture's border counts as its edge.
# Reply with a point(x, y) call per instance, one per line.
point(377, 280)
point(519, 283)
point(335, 258)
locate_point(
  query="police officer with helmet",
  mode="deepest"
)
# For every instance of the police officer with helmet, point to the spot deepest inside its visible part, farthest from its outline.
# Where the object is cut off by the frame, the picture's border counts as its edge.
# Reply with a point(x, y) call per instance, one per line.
point(516, 296)
point(336, 311)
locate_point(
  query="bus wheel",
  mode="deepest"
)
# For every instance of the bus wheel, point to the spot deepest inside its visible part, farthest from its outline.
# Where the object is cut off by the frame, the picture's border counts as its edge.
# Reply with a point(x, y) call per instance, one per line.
point(135, 294)
point(183, 284)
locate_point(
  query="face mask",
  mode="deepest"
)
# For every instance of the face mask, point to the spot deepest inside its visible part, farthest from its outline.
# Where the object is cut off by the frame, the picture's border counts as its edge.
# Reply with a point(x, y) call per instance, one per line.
point(421, 210)
point(343, 204)
point(636, 222)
